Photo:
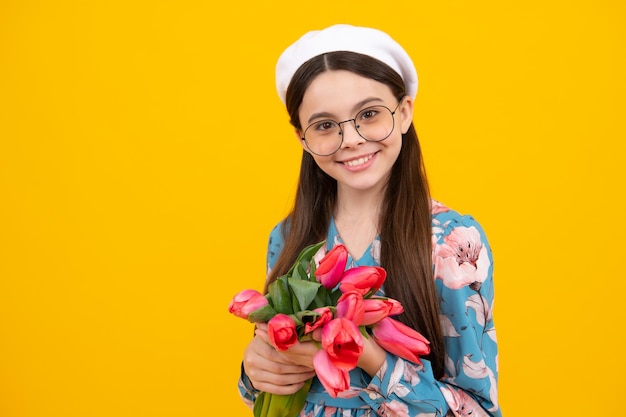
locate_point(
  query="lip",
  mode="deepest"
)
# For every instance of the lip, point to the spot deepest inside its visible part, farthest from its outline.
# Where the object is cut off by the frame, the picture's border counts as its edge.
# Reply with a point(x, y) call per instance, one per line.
point(370, 158)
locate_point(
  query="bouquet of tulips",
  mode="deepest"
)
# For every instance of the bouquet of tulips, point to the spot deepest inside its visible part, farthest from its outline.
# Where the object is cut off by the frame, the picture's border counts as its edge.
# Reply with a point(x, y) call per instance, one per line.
point(333, 307)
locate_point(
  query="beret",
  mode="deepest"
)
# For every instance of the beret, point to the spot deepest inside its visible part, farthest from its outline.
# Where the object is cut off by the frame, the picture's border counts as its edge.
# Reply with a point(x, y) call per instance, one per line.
point(342, 37)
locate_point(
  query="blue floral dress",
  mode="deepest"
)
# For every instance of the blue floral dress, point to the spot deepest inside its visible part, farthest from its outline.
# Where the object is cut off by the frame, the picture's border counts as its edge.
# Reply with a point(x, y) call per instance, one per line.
point(463, 267)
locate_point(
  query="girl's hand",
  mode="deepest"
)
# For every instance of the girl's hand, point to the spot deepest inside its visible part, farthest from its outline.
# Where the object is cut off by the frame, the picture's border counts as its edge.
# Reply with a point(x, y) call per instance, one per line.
point(301, 353)
point(372, 358)
point(277, 372)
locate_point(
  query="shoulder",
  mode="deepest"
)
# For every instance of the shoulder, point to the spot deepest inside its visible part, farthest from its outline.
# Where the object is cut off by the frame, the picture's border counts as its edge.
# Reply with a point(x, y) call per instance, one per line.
point(276, 234)
point(461, 252)
point(446, 221)
point(275, 244)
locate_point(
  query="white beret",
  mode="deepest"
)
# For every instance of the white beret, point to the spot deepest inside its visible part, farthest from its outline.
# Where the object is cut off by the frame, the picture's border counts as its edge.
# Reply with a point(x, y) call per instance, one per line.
point(363, 40)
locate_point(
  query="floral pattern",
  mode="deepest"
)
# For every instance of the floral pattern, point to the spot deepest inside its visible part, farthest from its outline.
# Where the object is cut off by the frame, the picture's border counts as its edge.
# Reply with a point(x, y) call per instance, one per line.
point(463, 272)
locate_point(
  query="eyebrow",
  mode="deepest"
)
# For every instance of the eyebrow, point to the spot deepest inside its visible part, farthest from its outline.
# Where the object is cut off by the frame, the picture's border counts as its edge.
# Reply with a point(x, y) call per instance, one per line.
point(354, 108)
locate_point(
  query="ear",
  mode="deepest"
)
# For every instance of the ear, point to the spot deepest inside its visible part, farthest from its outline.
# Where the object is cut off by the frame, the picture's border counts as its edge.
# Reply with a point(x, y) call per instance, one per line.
point(406, 113)
point(299, 136)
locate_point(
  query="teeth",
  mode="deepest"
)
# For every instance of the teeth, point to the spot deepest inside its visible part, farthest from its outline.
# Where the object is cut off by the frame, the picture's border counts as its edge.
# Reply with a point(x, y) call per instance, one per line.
point(359, 161)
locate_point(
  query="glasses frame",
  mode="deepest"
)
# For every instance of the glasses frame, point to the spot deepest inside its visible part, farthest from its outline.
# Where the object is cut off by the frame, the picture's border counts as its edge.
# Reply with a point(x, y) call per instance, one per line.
point(356, 127)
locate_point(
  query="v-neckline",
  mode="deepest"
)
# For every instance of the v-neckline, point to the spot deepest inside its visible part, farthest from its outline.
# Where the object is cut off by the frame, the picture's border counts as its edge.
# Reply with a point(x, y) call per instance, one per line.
point(334, 238)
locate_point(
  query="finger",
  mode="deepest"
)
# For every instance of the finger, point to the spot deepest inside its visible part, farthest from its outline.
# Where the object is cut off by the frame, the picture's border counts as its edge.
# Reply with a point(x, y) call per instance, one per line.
point(277, 389)
point(301, 354)
point(279, 384)
point(262, 356)
point(263, 335)
point(289, 368)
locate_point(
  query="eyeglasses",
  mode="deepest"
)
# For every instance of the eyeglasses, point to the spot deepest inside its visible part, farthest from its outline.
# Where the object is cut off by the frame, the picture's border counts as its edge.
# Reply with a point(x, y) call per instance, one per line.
point(374, 124)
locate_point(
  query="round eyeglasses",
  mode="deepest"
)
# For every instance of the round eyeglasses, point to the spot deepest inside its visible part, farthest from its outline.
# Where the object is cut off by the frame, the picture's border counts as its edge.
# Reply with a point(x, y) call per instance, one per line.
point(374, 124)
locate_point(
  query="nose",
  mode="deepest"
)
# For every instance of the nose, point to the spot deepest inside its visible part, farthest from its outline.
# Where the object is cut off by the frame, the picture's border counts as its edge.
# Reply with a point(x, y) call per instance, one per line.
point(349, 133)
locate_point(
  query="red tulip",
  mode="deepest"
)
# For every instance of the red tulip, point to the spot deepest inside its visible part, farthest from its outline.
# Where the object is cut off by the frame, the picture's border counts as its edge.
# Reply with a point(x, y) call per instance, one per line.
point(325, 316)
point(363, 279)
point(335, 380)
point(350, 306)
point(245, 302)
point(282, 331)
point(401, 340)
point(396, 307)
point(343, 342)
point(331, 267)
point(376, 309)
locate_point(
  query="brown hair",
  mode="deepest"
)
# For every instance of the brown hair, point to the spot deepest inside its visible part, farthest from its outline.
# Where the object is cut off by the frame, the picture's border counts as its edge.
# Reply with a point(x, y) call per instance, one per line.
point(405, 220)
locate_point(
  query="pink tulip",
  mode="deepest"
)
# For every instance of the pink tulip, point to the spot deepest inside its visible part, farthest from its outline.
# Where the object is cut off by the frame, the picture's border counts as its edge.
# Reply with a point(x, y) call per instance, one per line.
point(343, 342)
point(401, 340)
point(396, 307)
point(331, 267)
point(363, 279)
point(335, 380)
point(376, 309)
point(350, 306)
point(325, 316)
point(282, 331)
point(245, 302)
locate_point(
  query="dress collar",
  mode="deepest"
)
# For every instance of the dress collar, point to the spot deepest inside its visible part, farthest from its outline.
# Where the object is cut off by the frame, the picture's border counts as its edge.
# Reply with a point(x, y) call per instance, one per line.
point(370, 257)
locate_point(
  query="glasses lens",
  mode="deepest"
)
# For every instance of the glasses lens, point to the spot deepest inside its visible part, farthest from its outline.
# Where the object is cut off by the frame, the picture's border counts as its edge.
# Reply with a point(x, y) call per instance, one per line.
point(375, 123)
point(323, 137)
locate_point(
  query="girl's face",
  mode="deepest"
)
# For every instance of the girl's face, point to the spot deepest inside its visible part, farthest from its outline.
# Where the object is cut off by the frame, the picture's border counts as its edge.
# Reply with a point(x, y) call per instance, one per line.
point(339, 95)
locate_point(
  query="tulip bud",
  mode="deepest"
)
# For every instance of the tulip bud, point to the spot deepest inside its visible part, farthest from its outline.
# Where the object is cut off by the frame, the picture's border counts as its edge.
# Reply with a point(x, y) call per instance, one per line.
point(377, 309)
point(401, 340)
point(246, 302)
point(331, 267)
point(335, 380)
point(350, 306)
point(363, 279)
point(396, 307)
point(343, 342)
point(282, 331)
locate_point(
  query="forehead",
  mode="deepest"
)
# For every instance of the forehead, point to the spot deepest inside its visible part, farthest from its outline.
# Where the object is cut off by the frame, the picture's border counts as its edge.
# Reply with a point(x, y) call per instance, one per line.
point(339, 91)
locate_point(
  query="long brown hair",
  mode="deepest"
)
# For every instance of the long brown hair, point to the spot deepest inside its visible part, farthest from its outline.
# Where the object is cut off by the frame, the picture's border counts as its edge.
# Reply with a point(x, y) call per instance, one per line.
point(405, 220)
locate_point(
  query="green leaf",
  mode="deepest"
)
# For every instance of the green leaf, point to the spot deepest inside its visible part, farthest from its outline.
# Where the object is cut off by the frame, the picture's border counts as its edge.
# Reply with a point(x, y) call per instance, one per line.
point(334, 297)
point(281, 296)
point(363, 330)
point(295, 304)
point(321, 298)
point(312, 268)
point(310, 251)
point(305, 317)
point(296, 402)
point(274, 405)
point(304, 291)
point(262, 404)
point(262, 315)
point(297, 318)
point(306, 255)
point(301, 271)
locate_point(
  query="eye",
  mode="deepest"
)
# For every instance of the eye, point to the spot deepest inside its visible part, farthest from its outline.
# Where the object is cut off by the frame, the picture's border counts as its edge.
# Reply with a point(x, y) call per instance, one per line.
point(368, 114)
point(324, 126)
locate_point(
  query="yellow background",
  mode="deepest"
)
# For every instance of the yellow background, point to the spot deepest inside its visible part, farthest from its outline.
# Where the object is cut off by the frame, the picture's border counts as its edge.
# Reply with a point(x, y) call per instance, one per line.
point(144, 157)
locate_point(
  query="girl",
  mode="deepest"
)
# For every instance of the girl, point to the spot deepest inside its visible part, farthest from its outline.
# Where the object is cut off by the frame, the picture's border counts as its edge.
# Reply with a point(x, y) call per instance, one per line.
point(349, 92)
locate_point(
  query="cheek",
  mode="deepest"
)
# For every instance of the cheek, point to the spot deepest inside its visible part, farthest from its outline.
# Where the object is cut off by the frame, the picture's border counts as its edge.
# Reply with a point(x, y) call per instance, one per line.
point(326, 164)
point(396, 146)
point(322, 161)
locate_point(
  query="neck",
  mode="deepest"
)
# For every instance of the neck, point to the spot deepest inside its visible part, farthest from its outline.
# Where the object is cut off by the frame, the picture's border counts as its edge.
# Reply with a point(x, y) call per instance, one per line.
point(358, 206)
point(357, 219)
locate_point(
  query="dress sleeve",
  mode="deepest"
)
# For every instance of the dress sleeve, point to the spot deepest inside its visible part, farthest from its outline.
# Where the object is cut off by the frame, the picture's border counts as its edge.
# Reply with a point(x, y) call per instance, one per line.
point(274, 246)
point(463, 269)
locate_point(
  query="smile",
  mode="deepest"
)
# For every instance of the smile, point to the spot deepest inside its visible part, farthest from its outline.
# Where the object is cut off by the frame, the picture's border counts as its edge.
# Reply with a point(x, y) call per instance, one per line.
point(359, 161)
